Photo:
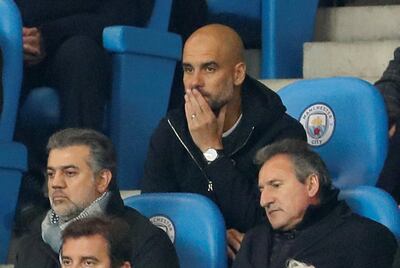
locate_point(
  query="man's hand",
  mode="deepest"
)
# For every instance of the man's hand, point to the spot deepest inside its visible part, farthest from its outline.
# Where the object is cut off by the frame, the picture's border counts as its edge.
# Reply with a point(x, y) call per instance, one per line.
point(32, 43)
point(204, 127)
point(234, 239)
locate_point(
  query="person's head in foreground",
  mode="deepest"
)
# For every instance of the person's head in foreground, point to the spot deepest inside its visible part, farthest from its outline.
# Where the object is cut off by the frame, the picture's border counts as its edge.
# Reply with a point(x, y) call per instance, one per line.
point(96, 242)
point(292, 177)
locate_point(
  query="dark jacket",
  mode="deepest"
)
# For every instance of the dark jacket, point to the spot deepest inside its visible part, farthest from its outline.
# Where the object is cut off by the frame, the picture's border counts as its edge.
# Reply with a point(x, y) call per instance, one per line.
point(175, 164)
point(389, 86)
point(151, 246)
point(59, 20)
point(330, 236)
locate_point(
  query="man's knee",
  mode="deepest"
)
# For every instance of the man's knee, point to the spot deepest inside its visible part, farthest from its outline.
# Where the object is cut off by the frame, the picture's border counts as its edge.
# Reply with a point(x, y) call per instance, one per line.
point(81, 51)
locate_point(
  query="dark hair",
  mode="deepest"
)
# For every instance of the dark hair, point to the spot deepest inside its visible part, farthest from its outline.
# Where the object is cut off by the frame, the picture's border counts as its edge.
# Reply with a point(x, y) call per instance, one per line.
point(102, 152)
point(114, 230)
point(305, 162)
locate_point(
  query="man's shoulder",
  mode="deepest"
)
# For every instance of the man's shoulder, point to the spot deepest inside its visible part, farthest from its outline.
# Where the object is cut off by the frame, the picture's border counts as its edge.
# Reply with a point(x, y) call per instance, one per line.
point(141, 228)
point(32, 251)
point(368, 228)
point(151, 247)
point(366, 235)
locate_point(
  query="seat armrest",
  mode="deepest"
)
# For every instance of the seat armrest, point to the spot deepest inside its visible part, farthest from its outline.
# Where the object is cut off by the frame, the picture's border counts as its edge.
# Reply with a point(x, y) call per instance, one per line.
point(130, 39)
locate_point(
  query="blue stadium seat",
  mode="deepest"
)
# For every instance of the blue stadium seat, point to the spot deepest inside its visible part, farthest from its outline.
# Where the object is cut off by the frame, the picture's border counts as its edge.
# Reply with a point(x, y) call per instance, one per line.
point(12, 155)
point(278, 27)
point(346, 123)
point(374, 203)
point(193, 222)
point(144, 61)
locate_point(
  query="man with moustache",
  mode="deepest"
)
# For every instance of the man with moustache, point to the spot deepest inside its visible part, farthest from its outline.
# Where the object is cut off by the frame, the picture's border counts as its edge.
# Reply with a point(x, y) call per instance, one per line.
point(81, 183)
point(208, 147)
point(307, 222)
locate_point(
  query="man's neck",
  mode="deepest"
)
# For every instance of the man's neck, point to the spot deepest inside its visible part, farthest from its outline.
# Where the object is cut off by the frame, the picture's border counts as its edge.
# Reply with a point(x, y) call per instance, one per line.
point(234, 110)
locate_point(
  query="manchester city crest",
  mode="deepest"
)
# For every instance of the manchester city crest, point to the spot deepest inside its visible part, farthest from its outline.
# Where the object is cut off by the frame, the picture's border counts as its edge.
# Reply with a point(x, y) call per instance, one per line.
point(165, 224)
point(319, 122)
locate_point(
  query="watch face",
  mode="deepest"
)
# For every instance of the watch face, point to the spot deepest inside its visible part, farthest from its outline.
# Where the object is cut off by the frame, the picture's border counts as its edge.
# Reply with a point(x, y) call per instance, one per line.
point(211, 154)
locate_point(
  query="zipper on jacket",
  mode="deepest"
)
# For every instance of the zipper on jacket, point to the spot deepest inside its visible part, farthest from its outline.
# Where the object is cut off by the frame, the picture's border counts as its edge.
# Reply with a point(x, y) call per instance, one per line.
point(244, 143)
point(209, 182)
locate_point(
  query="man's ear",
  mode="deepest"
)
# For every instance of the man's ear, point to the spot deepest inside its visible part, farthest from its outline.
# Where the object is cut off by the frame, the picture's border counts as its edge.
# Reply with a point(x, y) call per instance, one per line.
point(240, 73)
point(103, 180)
point(312, 185)
point(126, 264)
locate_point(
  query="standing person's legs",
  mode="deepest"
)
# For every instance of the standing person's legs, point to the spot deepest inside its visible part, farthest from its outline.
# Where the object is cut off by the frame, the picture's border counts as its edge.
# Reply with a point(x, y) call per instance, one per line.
point(80, 71)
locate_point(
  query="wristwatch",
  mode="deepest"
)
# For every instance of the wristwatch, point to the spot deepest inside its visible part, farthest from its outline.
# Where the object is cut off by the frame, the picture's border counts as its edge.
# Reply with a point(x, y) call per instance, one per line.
point(212, 154)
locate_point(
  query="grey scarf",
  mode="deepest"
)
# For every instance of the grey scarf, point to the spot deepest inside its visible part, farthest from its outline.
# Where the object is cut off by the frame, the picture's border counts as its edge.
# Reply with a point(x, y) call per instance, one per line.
point(52, 225)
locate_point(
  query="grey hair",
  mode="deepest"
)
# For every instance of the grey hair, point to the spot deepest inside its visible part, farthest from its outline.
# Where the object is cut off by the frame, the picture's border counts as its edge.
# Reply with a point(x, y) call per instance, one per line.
point(102, 152)
point(305, 161)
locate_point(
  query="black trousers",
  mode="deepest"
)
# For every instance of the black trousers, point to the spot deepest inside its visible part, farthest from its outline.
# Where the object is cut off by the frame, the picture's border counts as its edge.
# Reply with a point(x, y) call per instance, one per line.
point(80, 70)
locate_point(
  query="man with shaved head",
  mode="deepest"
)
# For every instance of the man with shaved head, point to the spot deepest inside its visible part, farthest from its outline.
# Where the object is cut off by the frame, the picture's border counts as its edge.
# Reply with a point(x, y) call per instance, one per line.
point(208, 146)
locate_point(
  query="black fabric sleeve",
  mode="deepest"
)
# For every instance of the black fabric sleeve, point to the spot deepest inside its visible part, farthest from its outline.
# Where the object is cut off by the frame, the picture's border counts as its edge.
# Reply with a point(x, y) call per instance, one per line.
point(157, 252)
point(158, 170)
point(379, 251)
point(390, 80)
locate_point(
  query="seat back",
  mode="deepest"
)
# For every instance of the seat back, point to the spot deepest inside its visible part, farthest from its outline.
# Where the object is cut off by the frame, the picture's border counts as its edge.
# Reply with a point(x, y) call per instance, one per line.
point(374, 203)
point(346, 123)
point(144, 63)
point(286, 25)
point(11, 50)
point(12, 155)
point(160, 16)
point(243, 16)
point(193, 222)
point(278, 27)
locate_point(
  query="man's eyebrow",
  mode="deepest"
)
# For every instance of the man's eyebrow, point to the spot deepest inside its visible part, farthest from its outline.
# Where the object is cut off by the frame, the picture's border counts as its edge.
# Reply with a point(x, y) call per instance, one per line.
point(206, 64)
point(271, 181)
point(63, 167)
point(89, 258)
point(268, 182)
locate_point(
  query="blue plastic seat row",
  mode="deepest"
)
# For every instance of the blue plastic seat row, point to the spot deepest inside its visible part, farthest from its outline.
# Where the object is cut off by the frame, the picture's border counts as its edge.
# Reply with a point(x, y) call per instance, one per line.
point(346, 123)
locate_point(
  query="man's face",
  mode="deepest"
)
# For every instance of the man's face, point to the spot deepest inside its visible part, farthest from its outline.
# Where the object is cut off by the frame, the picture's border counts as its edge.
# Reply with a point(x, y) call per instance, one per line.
point(71, 181)
point(85, 251)
point(208, 68)
point(283, 196)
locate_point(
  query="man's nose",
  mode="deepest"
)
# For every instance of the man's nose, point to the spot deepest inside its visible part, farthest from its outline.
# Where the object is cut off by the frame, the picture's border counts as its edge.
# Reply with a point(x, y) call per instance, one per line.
point(58, 180)
point(266, 198)
point(196, 80)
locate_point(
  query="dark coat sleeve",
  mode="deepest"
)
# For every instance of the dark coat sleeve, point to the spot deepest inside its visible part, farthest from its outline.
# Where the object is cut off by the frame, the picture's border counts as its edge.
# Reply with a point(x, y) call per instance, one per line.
point(157, 252)
point(377, 251)
point(390, 80)
point(158, 171)
point(151, 246)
